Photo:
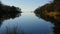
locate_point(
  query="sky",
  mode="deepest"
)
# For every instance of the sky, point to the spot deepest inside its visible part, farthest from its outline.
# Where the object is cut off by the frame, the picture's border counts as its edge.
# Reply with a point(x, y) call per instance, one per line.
point(26, 5)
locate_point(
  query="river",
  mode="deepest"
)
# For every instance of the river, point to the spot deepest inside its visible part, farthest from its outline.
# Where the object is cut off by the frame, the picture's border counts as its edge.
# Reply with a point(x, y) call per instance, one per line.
point(27, 23)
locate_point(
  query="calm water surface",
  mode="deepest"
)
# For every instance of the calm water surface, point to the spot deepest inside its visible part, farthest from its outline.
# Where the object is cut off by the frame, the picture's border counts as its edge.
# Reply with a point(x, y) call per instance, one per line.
point(27, 23)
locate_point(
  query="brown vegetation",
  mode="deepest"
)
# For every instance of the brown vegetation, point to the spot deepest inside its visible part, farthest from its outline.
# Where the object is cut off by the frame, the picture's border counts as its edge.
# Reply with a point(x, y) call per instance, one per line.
point(50, 10)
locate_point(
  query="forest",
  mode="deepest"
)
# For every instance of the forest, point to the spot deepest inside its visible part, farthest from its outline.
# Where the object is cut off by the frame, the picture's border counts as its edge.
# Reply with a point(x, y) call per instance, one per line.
point(5, 9)
point(8, 11)
point(50, 10)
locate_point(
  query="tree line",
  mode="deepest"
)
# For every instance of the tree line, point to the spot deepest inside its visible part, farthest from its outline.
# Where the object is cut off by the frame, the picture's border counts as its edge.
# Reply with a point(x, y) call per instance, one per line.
point(6, 9)
point(49, 11)
point(49, 7)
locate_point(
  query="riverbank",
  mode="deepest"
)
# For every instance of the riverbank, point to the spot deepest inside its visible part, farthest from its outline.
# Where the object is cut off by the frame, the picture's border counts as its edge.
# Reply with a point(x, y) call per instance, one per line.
point(50, 11)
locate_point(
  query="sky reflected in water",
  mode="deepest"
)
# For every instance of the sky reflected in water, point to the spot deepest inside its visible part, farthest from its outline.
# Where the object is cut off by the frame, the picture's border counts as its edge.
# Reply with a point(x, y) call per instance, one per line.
point(27, 23)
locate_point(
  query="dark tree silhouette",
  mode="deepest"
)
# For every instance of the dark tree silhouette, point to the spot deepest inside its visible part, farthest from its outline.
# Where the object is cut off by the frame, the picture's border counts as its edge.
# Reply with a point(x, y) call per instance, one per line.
point(7, 12)
point(5, 9)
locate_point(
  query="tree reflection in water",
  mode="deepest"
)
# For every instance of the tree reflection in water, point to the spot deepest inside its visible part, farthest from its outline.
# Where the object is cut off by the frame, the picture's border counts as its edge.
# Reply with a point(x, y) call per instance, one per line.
point(50, 12)
point(8, 16)
point(56, 22)
point(7, 12)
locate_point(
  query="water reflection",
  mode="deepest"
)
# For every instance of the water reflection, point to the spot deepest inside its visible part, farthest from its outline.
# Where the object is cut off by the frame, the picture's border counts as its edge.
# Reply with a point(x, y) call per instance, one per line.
point(55, 20)
point(7, 17)
point(27, 23)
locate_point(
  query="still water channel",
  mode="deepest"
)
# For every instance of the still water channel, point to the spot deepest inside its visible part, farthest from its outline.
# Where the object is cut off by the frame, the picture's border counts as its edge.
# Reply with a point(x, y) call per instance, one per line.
point(26, 23)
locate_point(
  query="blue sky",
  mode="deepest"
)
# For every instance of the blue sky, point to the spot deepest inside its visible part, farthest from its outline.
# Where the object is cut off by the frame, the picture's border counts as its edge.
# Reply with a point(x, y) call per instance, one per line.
point(26, 5)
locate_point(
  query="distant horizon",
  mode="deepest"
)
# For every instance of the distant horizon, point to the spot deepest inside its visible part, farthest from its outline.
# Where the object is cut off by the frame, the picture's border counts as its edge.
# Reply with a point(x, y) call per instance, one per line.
point(26, 5)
